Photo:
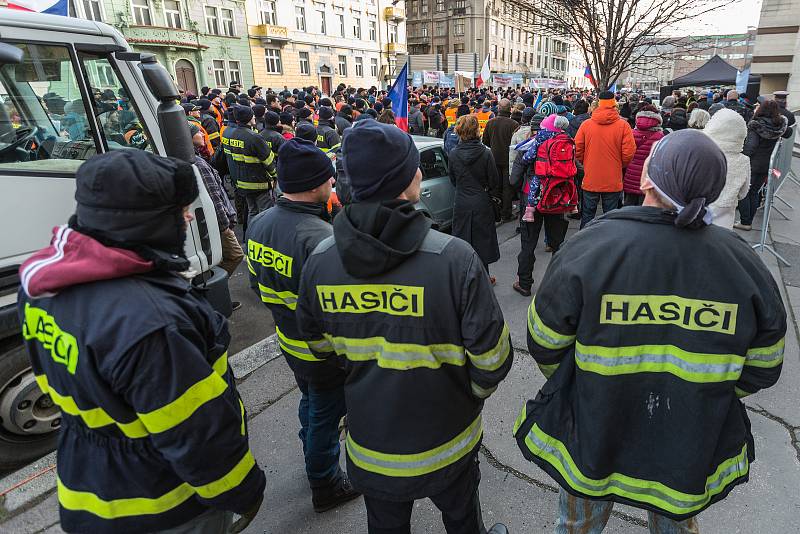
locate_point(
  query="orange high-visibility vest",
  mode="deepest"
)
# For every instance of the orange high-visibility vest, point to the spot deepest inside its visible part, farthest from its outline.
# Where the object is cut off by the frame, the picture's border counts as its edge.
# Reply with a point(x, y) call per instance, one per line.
point(483, 119)
point(450, 115)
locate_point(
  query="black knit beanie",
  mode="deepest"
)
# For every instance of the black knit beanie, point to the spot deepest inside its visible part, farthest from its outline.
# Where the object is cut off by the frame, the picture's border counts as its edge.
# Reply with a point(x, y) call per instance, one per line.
point(302, 166)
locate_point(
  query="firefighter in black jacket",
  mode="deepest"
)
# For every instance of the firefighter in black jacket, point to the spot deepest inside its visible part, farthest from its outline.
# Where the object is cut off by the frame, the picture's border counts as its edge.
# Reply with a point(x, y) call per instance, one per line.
point(278, 244)
point(410, 315)
point(153, 434)
point(651, 324)
point(251, 163)
point(327, 138)
point(273, 132)
point(209, 122)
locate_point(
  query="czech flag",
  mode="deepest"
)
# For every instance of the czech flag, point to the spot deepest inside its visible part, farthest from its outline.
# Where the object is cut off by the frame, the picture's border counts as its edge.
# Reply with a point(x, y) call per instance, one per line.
point(587, 73)
point(51, 7)
point(398, 94)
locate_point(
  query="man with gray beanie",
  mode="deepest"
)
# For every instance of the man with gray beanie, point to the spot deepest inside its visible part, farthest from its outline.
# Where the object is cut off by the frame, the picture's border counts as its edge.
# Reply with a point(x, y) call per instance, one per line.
point(410, 315)
point(650, 325)
point(153, 434)
point(278, 244)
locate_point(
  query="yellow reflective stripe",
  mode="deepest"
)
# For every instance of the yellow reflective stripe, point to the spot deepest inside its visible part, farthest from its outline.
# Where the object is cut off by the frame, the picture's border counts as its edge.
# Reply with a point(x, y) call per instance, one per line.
point(480, 392)
point(410, 465)
point(690, 366)
point(213, 136)
point(179, 410)
point(397, 356)
point(544, 335)
point(220, 366)
point(228, 481)
point(494, 358)
point(241, 407)
point(320, 345)
point(523, 414)
point(554, 452)
point(334, 147)
point(766, 357)
point(269, 159)
point(740, 393)
point(548, 370)
point(295, 347)
point(89, 502)
point(252, 185)
point(93, 417)
point(271, 296)
point(249, 265)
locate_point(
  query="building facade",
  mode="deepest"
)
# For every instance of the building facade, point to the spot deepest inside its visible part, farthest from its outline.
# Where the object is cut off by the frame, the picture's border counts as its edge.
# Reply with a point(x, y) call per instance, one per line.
point(777, 51)
point(200, 42)
point(300, 43)
point(663, 63)
point(500, 28)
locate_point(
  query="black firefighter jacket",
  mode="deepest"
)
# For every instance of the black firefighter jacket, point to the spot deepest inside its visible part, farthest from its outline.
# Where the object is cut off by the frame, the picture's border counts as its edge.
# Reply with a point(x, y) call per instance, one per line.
point(650, 334)
point(251, 162)
point(411, 315)
point(279, 241)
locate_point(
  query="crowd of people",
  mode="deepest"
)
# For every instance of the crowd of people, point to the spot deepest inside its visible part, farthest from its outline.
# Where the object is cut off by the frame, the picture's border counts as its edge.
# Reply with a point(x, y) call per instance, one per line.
point(392, 329)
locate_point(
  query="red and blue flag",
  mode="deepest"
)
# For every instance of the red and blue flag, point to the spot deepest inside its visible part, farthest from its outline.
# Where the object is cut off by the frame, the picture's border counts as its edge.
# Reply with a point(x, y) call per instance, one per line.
point(587, 73)
point(398, 94)
point(51, 7)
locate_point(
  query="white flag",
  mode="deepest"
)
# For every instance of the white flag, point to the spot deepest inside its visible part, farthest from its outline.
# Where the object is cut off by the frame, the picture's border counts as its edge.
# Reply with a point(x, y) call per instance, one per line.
point(483, 77)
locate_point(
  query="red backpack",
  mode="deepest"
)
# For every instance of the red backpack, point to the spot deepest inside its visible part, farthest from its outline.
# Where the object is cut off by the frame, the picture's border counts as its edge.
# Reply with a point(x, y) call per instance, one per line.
point(556, 169)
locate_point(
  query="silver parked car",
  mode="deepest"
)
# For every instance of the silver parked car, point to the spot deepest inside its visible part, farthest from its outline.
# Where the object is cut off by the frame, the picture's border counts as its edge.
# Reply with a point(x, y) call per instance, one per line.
point(437, 193)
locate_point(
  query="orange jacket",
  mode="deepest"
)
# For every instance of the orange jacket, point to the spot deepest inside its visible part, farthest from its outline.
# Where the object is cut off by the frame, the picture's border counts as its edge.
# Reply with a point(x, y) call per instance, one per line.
point(605, 145)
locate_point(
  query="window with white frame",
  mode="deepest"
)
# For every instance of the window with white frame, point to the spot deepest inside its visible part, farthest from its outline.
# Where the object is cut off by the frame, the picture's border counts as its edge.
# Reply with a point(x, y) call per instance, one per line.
point(357, 24)
point(373, 29)
point(235, 71)
point(212, 20)
point(305, 64)
point(300, 18)
point(141, 13)
point(458, 48)
point(360, 67)
point(439, 6)
point(441, 28)
point(458, 27)
point(91, 10)
point(228, 26)
point(424, 30)
point(340, 27)
point(373, 67)
point(273, 60)
point(267, 12)
point(320, 9)
point(424, 7)
point(220, 78)
point(392, 33)
point(172, 13)
point(342, 65)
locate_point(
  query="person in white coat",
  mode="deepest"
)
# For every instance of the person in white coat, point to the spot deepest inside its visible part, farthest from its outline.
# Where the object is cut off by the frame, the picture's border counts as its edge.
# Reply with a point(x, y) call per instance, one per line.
point(728, 129)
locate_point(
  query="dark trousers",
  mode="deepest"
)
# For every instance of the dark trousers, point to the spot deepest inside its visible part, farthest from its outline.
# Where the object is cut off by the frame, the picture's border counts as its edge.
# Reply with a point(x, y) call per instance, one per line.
point(632, 199)
point(319, 412)
point(506, 192)
point(748, 206)
point(555, 229)
point(610, 202)
point(459, 503)
point(258, 201)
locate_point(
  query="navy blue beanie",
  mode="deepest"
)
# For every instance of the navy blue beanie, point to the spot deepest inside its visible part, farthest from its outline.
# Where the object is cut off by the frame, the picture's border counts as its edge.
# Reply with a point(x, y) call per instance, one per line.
point(373, 179)
point(302, 166)
point(306, 131)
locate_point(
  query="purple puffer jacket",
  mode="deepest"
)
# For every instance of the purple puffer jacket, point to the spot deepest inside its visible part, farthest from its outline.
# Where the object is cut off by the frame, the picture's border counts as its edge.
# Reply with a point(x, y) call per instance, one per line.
point(646, 133)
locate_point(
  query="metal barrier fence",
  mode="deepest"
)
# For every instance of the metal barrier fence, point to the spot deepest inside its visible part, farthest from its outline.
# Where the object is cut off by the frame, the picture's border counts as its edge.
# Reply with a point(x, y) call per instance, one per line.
point(780, 171)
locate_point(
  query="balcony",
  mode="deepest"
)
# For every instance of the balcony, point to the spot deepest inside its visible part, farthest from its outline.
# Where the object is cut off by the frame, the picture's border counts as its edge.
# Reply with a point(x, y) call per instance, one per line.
point(417, 39)
point(394, 13)
point(269, 33)
point(396, 48)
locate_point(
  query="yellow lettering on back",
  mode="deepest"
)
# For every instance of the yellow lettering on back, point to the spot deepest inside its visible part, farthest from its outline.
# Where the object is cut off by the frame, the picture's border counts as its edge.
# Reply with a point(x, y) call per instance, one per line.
point(269, 258)
point(42, 327)
point(408, 301)
point(689, 314)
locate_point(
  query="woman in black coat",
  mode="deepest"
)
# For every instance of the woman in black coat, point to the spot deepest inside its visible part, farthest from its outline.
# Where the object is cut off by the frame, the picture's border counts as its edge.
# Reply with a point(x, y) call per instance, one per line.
point(763, 131)
point(474, 174)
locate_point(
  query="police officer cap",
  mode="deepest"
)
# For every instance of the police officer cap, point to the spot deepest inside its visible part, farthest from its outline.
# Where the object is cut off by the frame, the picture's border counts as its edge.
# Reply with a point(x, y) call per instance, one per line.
point(134, 199)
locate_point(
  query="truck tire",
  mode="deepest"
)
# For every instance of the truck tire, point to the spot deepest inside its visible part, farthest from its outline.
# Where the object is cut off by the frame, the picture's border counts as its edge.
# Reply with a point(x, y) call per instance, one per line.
point(29, 421)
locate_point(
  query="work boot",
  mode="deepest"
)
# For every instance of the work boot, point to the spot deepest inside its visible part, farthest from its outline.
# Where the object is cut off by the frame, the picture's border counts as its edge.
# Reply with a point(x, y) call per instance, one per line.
point(329, 497)
point(498, 528)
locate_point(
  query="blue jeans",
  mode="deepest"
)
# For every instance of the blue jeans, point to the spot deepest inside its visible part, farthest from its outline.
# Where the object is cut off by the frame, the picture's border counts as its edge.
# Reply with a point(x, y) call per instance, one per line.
point(610, 202)
point(320, 411)
point(585, 516)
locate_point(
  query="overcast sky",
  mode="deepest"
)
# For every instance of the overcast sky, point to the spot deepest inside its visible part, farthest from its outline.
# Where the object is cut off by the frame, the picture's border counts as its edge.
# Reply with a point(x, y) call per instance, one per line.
point(734, 18)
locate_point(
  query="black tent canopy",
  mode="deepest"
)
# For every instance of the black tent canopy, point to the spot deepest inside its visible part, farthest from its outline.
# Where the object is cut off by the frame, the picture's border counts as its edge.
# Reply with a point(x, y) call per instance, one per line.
point(716, 71)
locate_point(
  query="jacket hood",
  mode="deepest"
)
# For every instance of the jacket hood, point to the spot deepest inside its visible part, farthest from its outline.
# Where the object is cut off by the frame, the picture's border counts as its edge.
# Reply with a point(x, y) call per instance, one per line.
point(605, 115)
point(470, 150)
point(74, 258)
point(728, 129)
point(647, 120)
point(767, 129)
point(375, 237)
point(678, 120)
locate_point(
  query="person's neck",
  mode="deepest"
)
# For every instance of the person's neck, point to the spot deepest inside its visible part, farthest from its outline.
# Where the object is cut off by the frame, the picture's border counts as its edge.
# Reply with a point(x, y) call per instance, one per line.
point(304, 196)
point(652, 200)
